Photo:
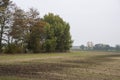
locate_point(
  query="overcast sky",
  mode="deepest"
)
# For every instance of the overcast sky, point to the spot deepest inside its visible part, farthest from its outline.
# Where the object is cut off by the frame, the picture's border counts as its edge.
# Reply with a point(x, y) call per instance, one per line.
point(90, 20)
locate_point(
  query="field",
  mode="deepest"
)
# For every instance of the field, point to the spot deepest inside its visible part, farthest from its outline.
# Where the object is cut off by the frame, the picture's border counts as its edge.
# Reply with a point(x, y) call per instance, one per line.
point(61, 66)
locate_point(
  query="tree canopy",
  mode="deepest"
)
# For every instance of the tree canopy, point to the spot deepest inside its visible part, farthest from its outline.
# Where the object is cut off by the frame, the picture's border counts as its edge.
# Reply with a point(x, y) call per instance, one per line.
point(26, 31)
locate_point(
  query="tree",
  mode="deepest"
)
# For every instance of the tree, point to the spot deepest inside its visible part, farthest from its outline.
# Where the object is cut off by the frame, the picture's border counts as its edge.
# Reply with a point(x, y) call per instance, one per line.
point(3, 5)
point(82, 47)
point(103, 47)
point(49, 39)
point(61, 32)
point(35, 41)
point(67, 38)
point(25, 31)
point(107, 47)
point(19, 25)
point(35, 29)
point(6, 8)
point(117, 47)
point(18, 30)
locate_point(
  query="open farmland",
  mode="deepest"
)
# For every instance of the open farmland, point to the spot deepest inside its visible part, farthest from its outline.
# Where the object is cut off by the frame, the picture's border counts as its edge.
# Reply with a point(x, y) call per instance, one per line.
point(61, 66)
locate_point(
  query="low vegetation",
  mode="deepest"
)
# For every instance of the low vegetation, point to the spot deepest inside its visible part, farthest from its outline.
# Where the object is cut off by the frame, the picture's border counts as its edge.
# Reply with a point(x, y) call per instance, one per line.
point(65, 66)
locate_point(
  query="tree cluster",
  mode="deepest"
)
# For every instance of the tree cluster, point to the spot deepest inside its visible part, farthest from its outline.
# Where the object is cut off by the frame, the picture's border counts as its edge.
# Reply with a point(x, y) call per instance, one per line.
point(24, 31)
point(101, 47)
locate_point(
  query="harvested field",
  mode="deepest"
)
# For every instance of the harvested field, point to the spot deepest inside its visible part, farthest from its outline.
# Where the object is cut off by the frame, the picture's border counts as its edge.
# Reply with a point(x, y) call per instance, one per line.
point(61, 66)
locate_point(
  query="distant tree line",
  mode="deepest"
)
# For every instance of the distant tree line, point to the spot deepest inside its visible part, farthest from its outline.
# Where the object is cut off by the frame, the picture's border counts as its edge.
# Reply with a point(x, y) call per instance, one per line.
point(24, 31)
point(101, 47)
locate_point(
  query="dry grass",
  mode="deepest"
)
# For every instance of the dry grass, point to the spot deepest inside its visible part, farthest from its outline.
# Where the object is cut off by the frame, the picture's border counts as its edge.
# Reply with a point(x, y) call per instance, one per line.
point(66, 66)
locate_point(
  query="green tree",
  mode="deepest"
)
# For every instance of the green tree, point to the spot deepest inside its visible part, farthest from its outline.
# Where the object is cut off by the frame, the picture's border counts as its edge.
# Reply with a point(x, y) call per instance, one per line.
point(49, 39)
point(61, 32)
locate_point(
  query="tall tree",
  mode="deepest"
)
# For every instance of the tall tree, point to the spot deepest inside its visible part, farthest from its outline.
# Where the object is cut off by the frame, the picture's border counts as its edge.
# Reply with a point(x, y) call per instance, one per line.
point(49, 39)
point(36, 37)
point(28, 30)
point(34, 26)
point(6, 8)
point(3, 5)
point(61, 31)
point(19, 25)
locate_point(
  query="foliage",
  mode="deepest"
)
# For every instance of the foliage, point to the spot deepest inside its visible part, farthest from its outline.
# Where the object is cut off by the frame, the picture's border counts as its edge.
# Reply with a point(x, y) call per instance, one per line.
point(13, 48)
point(60, 31)
point(117, 47)
point(3, 19)
point(27, 32)
point(101, 47)
point(82, 47)
point(50, 40)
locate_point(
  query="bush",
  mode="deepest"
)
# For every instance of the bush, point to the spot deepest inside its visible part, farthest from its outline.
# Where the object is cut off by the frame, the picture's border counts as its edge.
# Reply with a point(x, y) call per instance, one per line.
point(13, 48)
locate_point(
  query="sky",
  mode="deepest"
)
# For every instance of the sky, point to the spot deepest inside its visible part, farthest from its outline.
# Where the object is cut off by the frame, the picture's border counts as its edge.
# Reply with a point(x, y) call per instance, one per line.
point(90, 20)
